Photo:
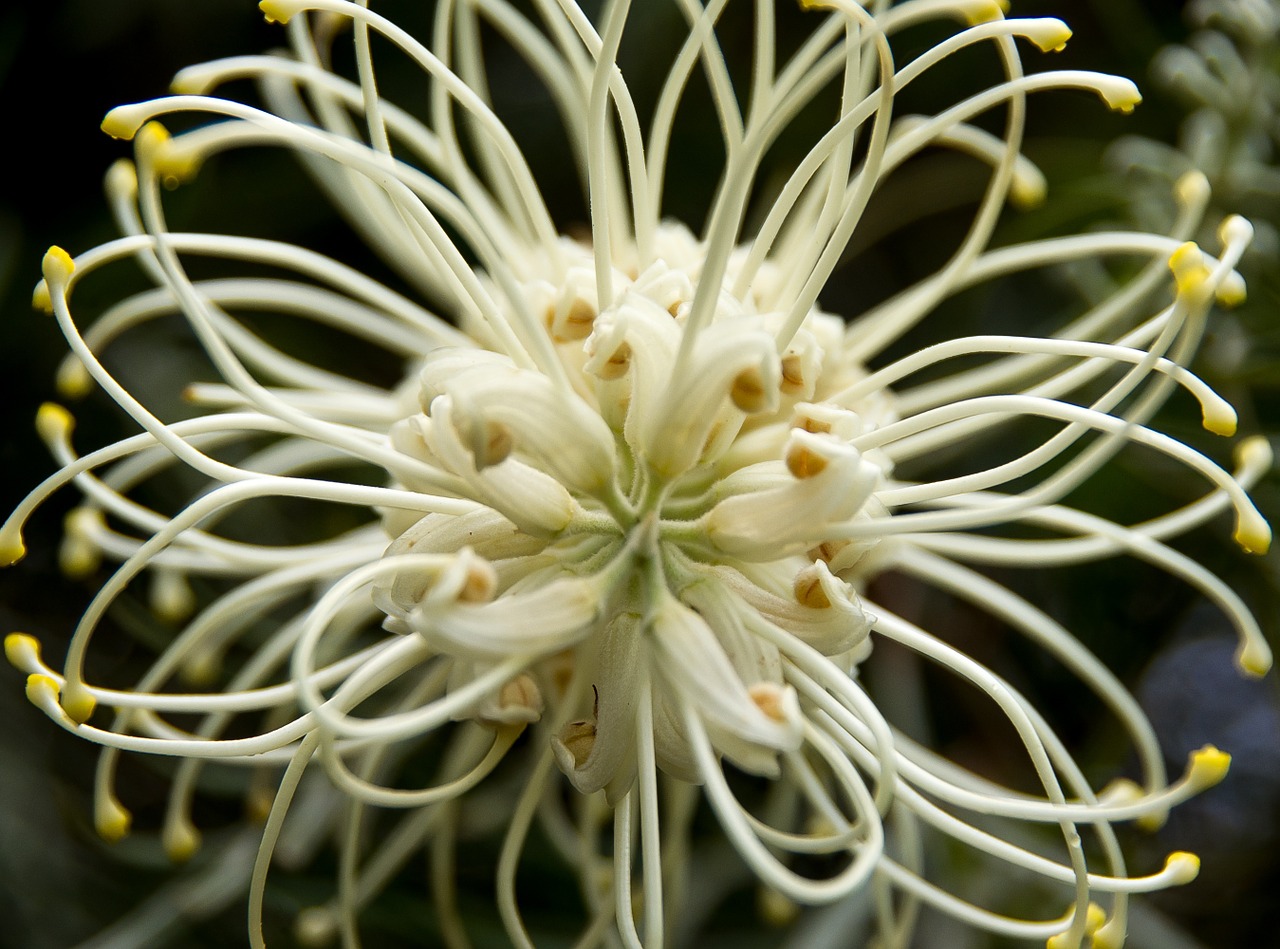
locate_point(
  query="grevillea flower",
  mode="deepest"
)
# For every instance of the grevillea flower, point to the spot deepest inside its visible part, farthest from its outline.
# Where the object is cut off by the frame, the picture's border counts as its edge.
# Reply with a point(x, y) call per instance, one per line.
point(619, 520)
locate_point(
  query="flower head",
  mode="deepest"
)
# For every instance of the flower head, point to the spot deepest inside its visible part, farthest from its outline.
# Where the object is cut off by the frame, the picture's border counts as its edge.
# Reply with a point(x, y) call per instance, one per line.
point(623, 510)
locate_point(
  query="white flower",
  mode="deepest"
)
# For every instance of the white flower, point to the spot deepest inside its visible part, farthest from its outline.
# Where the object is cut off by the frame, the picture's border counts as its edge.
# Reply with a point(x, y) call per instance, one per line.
point(631, 492)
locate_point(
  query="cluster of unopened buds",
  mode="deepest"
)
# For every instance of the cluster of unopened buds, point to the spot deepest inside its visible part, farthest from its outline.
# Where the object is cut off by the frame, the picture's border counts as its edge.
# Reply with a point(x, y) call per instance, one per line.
point(1226, 78)
point(617, 525)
